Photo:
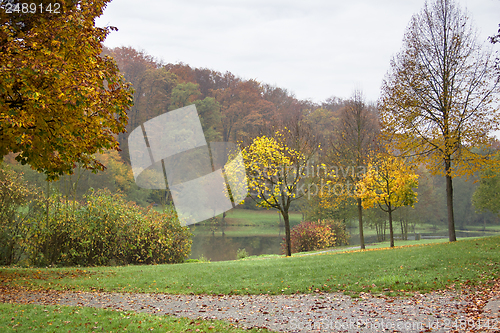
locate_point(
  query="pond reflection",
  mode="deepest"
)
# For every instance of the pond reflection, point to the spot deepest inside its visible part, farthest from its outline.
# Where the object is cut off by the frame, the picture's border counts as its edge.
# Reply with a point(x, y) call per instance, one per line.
point(221, 245)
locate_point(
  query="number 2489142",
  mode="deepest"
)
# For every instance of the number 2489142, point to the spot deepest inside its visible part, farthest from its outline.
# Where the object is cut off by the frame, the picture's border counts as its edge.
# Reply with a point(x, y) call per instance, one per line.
point(32, 8)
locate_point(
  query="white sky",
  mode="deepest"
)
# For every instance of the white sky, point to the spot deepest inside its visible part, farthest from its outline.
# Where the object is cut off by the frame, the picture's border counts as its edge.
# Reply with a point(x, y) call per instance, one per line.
point(315, 48)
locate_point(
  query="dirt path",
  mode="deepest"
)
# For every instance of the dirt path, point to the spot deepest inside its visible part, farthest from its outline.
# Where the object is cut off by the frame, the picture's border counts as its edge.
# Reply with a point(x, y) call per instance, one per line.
point(436, 312)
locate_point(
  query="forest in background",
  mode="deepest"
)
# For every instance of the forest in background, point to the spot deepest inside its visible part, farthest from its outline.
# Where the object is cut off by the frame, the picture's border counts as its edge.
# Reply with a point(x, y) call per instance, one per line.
point(239, 110)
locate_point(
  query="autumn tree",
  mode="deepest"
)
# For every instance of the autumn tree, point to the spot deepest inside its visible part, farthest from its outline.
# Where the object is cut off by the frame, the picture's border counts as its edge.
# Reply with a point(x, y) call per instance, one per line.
point(438, 99)
point(210, 116)
point(152, 86)
point(284, 105)
point(183, 72)
point(324, 122)
point(183, 95)
point(243, 110)
point(388, 184)
point(487, 194)
point(354, 139)
point(152, 97)
point(275, 171)
point(60, 101)
point(494, 40)
point(131, 62)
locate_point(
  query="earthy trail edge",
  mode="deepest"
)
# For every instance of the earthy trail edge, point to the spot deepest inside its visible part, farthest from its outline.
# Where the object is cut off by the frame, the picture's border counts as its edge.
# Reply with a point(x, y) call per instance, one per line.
point(441, 311)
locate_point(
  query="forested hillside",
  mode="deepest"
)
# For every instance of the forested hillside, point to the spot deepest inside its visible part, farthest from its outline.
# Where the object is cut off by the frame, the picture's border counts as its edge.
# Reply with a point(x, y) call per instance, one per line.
point(239, 110)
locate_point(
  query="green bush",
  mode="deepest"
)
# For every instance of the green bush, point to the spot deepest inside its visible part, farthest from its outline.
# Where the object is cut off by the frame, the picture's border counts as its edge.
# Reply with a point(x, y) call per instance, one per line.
point(105, 229)
point(16, 200)
point(241, 253)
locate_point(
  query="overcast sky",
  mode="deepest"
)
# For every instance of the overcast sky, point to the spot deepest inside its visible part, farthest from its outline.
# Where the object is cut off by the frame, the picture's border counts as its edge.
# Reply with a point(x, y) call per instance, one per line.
point(315, 49)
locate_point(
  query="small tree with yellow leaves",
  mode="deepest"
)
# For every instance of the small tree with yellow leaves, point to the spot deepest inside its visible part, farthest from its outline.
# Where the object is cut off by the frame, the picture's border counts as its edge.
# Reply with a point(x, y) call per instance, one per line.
point(389, 183)
point(274, 172)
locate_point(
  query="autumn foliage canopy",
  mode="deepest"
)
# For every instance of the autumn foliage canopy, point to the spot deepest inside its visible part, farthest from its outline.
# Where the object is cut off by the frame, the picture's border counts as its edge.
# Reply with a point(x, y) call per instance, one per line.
point(60, 101)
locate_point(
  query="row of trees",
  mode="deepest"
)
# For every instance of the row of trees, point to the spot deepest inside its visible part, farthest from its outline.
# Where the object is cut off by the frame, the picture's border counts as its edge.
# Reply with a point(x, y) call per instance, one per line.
point(231, 109)
point(437, 110)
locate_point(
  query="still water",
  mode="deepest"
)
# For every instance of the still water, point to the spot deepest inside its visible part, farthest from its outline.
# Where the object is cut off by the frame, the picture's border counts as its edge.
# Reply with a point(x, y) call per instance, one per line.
point(219, 245)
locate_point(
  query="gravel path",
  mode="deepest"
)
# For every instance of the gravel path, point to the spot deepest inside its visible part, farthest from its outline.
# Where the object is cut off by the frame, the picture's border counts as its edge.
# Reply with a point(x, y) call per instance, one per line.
point(438, 311)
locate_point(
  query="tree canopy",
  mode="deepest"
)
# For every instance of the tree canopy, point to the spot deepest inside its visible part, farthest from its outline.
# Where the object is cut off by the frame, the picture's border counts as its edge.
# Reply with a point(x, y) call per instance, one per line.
point(275, 171)
point(439, 98)
point(487, 194)
point(60, 100)
point(389, 185)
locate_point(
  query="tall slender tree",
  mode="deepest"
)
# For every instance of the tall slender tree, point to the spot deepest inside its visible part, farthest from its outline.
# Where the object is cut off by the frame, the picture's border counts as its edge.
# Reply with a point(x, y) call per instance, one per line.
point(354, 140)
point(438, 99)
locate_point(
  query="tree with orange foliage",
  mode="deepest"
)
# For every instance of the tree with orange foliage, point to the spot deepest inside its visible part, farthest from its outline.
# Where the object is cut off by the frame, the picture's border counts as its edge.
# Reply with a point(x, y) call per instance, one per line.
point(60, 100)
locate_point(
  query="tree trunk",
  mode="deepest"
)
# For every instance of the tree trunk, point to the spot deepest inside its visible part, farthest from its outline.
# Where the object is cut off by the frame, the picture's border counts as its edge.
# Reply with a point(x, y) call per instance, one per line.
point(223, 223)
point(449, 202)
point(360, 218)
point(385, 228)
point(404, 229)
point(391, 231)
point(287, 232)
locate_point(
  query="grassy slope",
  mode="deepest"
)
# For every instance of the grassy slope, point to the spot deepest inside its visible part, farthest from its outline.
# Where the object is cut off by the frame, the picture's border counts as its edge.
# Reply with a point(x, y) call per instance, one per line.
point(246, 223)
point(404, 269)
point(258, 217)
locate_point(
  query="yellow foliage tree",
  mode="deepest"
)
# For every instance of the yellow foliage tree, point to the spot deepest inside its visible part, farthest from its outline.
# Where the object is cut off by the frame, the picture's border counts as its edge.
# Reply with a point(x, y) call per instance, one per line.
point(388, 183)
point(274, 173)
point(440, 99)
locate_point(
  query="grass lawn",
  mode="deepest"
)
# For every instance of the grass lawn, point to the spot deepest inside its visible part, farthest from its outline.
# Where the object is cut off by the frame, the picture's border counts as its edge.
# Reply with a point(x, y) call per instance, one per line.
point(247, 217)
point(43, 318)
point(246, 223)
point(371, 246)
point(400, 270)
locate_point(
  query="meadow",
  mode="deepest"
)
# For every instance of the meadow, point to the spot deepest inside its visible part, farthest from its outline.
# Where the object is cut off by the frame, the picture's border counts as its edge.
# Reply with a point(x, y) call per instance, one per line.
point(380, 270)
point(412, 267)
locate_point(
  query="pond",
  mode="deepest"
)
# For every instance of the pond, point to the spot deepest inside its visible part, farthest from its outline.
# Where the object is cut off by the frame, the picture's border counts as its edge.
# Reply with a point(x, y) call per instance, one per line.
point(219, 245)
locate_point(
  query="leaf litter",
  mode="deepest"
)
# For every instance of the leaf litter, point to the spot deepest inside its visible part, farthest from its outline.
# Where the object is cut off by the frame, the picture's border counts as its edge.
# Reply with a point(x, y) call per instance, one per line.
point(447, 310)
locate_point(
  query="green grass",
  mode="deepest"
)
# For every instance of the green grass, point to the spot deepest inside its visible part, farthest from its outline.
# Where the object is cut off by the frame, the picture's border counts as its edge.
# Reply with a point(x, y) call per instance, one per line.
point(247, 217)
point(386, 244)
point(245, 223)
point(489, 228)
point(399, 270)
point(43, 318)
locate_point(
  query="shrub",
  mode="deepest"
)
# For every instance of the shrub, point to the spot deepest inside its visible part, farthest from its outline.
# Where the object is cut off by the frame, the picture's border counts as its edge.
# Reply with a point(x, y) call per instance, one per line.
point(339, 230)
point(310, 236)
point(241, 253)
point(49, 230)
point(202, 258)
point(15, 206)
point(105, 229)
